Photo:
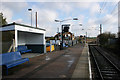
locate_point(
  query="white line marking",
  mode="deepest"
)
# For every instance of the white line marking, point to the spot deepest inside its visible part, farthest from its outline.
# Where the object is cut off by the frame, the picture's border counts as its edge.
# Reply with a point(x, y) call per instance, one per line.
point(90, 72)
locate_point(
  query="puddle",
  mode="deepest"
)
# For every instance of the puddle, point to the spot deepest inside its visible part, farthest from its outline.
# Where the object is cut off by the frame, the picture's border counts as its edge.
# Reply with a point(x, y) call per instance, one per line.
point(30, 55)
point(71, 59)
point(70, 62)
point(66, 55)
point(47, 58)
point(62, 76)
point(66, 51)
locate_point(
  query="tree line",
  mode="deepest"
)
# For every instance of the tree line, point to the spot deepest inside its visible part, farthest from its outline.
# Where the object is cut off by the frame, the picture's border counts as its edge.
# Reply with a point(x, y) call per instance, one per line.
point(2, 20)
point(109, 41)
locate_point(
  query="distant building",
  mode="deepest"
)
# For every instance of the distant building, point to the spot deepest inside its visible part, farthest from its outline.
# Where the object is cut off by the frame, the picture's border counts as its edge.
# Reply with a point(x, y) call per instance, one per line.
point(49, 38)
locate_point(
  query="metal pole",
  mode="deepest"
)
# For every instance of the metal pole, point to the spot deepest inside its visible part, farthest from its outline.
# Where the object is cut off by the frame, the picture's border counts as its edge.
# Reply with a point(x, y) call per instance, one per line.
point(31, 18)
point(57, 30)
point(86, 37)
point(72, 39)
point(61, 30)
point(100, 28)
point(36, 19)
point(62, 38)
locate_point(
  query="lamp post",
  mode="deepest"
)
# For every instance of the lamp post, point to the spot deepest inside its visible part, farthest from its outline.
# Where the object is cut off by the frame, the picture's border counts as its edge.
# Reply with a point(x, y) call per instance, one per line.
point(62, 29)
point(36, 18)
point(76, 34)
point(85, 36)
point(31, 15)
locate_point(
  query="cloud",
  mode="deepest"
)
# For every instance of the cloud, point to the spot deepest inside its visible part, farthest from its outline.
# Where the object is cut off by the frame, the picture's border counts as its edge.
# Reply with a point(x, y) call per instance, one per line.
point(9, 9)
point(7, 13)
point(66, 7)
point(44, 15)
point(94, 9)
point(60, 0)
point(60, 6)
point(83, 5)
point(15, 6)
point(13, 0)
point(18, 21)
point(109, 24)
point(86, 12)
point(46, 19)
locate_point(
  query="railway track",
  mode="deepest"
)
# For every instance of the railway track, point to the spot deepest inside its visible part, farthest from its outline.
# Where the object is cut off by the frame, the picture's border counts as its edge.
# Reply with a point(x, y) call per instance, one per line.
point(102, 67)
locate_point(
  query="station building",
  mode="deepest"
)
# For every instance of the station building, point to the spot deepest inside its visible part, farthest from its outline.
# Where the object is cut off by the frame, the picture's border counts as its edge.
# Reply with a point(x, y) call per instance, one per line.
point(33, 38)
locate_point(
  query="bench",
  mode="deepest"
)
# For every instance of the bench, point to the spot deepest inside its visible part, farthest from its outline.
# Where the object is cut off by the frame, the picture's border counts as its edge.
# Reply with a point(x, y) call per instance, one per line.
point(12, 59)
point(23, 49)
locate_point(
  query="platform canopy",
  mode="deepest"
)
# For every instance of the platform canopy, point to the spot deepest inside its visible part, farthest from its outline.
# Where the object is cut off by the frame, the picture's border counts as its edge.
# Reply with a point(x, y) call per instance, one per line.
point(33, 38)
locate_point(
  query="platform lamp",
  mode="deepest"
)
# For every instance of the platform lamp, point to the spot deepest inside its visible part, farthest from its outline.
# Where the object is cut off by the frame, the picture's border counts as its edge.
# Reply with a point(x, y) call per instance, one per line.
point(80, 24)
point(31, 15)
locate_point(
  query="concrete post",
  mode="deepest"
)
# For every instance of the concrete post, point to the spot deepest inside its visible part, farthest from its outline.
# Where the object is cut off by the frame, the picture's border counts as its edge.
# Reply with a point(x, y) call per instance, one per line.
point(44, 42)
point(16, 40)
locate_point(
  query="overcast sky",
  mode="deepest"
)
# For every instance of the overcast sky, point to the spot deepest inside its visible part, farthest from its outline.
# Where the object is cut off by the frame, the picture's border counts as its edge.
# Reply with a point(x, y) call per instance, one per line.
point(88, 14)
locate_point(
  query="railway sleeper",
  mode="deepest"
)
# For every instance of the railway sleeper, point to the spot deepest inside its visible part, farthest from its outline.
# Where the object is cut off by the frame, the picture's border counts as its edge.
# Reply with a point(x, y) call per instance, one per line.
point(110, 72)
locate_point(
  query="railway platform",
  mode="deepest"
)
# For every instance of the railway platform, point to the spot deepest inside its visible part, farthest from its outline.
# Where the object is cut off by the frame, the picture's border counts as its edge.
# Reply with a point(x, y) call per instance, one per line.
point(82, 69)
point(71, 63)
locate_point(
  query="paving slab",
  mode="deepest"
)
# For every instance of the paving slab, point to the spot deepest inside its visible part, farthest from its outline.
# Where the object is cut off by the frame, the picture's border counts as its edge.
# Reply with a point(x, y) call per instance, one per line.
point(82, 69)
point(57, 64)
point(31, 55)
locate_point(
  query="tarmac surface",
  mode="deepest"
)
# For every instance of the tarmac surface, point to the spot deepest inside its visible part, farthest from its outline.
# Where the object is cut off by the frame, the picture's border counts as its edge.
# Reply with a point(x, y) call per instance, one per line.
point(68, 63)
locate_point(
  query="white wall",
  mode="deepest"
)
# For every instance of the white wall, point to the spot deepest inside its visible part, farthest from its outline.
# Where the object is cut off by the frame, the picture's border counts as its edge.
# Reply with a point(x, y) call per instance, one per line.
point(33, 38)
point(28, 29)
point(30, 38)
point(21, 38)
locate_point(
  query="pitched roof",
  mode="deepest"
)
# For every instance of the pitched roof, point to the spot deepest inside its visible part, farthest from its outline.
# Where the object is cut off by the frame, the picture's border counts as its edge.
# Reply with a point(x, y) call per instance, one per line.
point(22, 25)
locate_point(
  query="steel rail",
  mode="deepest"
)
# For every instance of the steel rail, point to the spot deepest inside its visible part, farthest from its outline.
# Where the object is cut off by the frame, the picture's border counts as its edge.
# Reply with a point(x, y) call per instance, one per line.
point(99, 71)
point(108, 59)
